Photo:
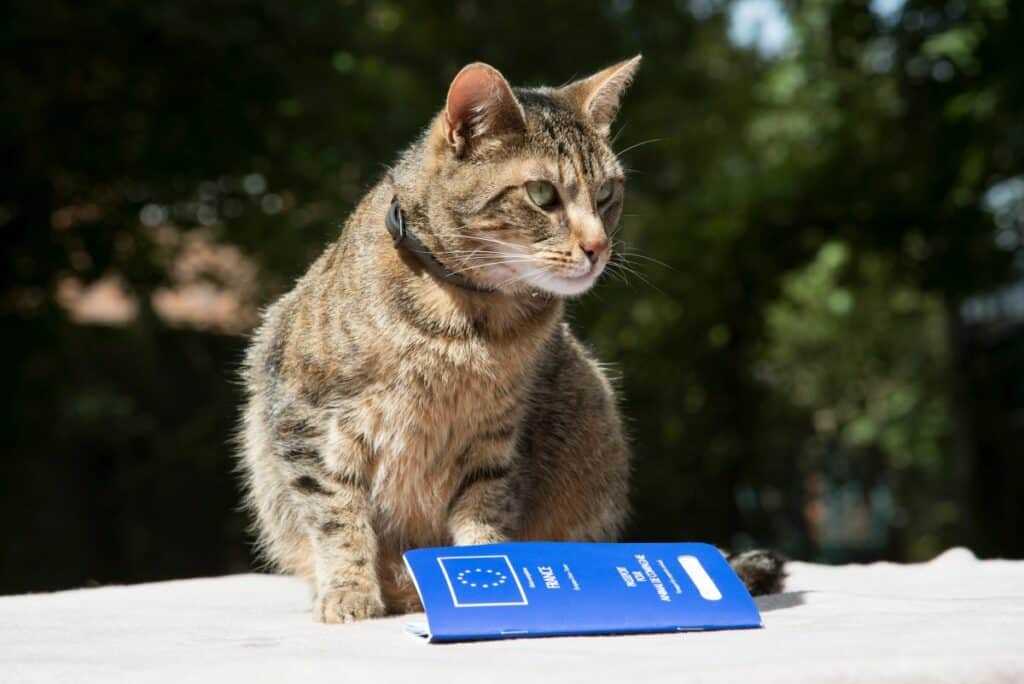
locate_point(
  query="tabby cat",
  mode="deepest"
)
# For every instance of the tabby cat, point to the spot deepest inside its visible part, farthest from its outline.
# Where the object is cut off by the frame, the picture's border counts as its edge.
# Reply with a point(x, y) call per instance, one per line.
point(419, 385)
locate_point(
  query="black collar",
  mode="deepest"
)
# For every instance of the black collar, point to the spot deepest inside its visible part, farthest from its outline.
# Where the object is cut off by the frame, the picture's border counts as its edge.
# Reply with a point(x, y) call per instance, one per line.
point(401, 236)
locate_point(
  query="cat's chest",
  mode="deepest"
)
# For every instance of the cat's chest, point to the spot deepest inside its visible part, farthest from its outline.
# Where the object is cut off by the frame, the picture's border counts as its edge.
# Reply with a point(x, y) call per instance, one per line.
point(419, 421)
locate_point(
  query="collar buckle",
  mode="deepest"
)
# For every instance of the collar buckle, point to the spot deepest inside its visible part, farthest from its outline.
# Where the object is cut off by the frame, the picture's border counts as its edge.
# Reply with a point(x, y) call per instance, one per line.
point(395, 222)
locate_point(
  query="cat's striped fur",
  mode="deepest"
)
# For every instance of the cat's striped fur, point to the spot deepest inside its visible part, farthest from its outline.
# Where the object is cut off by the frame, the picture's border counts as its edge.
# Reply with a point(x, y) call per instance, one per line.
point(387, 409)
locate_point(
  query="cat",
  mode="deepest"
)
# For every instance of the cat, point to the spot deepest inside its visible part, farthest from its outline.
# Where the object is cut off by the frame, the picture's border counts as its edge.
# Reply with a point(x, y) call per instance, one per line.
point(419, 385)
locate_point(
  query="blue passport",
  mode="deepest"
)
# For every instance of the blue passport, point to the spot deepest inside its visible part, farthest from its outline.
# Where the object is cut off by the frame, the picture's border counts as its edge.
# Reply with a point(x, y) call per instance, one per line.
point(534, 589)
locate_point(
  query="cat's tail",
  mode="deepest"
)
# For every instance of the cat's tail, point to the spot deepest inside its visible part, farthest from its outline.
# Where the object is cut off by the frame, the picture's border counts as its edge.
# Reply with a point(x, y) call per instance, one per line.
point(763, 571)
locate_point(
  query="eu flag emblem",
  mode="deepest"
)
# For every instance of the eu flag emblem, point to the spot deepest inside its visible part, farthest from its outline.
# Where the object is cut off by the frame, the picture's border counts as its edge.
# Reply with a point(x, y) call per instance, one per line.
point(481, 581)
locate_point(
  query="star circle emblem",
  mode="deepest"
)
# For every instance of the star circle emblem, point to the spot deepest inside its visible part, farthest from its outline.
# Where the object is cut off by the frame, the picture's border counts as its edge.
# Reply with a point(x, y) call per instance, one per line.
point(484, 578)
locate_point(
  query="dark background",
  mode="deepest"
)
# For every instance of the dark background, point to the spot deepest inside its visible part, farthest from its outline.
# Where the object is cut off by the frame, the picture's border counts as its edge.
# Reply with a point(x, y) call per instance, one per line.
point(820, 340)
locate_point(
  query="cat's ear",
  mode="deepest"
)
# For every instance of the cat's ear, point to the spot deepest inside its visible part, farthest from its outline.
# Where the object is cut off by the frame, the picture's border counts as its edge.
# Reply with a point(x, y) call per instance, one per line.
point(480, 103)
point(597, 97)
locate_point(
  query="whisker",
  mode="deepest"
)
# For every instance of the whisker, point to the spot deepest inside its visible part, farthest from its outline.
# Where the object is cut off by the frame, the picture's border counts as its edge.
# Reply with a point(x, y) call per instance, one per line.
point(471, 252)
point(494, 240)
point(621, 273)
point(639, 144)
point(612, 268)
point(512, 281)
point(648, 283)
point(617, 134)
point(626, 267)
point(627, 253)
point(502, 262)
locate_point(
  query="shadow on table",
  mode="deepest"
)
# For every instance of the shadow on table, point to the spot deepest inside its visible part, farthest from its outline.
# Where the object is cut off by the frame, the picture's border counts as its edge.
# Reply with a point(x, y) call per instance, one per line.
point(789, 599)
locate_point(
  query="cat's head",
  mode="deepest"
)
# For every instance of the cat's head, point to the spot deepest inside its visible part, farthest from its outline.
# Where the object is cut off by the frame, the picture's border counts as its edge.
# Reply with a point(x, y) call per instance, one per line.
point(522, 188)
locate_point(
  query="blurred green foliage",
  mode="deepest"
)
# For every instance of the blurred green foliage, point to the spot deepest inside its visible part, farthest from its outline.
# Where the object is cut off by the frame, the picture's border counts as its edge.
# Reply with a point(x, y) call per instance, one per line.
point(803, 228)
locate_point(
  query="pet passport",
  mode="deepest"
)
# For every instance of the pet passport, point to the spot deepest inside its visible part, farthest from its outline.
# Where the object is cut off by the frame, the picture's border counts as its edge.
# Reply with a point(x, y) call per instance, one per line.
point(534, 589)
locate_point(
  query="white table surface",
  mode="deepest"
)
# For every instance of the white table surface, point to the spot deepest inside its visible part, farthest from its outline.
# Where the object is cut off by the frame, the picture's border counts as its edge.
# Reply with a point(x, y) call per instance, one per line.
point(954, 619)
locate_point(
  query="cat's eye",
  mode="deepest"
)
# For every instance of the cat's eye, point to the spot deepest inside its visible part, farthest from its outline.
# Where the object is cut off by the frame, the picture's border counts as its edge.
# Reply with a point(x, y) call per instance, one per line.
point(604, 193)
point(542, 193)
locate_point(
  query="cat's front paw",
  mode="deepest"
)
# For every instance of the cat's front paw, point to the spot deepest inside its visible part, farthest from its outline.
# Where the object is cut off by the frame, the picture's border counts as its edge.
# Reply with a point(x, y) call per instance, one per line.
point(339, 605)
point(472, 533)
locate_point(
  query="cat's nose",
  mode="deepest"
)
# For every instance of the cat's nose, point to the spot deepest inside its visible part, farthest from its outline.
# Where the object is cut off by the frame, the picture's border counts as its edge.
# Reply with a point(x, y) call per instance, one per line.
point(594, 248)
